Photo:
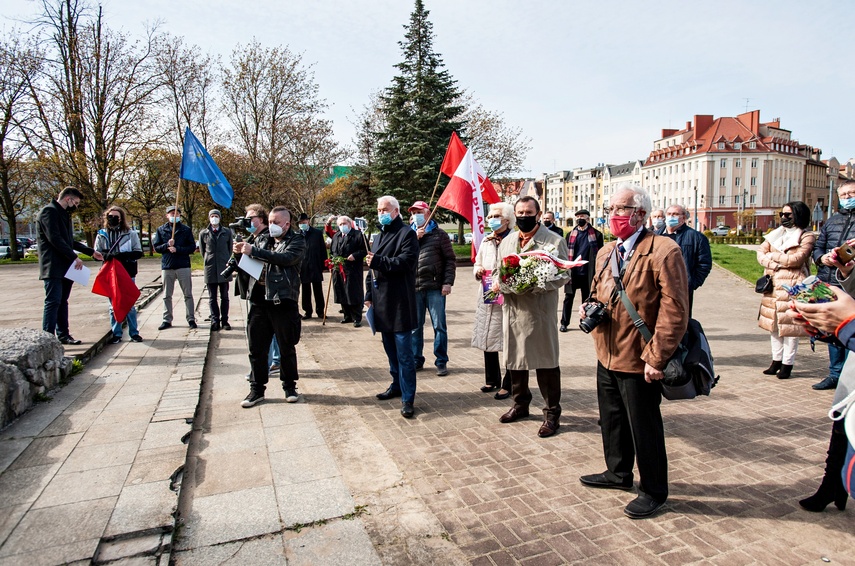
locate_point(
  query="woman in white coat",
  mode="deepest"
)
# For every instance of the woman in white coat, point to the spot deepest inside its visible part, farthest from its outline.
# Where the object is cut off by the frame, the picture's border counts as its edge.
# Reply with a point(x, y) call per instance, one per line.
point(487, 332)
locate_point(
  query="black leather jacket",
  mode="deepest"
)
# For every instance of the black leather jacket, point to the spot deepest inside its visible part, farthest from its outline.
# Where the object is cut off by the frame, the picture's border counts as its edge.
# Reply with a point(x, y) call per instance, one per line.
point(284, 258)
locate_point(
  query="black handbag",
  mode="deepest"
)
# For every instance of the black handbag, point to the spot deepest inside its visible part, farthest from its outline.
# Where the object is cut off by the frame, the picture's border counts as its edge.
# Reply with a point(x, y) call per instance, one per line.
point(764, 285)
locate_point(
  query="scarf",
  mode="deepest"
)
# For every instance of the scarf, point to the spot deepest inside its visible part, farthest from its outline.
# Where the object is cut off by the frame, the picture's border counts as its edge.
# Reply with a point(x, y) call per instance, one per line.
point(571, 243)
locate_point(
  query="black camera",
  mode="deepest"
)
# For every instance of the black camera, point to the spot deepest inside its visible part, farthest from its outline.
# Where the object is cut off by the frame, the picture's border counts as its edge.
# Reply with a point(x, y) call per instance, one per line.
point(595, 313)
point(241, 225)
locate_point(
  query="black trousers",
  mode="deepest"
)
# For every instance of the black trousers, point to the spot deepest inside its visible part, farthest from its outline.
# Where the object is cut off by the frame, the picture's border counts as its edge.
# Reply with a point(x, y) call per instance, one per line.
point(549, 382)
point(493, 373)
point(55, 315)
point(631, 425)
point(266, 320)
point(219, 311)
point(576, 283)
point(307, 289)
point(353, 312)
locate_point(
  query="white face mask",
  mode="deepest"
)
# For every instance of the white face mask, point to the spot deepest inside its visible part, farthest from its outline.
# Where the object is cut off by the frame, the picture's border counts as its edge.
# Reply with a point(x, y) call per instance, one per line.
point(275, 230)
point(215, 221)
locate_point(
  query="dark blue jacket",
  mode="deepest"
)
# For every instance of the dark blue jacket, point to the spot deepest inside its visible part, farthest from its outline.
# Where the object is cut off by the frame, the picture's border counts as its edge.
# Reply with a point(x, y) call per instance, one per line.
point(391, 281)
point(839, 228)
point(184, 246)
point(56, 241)
point(696, 253)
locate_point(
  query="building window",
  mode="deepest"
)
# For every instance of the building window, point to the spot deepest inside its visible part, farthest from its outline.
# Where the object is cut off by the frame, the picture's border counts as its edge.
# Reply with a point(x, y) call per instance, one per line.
point(752, 145)
point(753, 181)
point(738, 181)
point(737, 163)
point(724, 163)
point(684, 167)
point(721, 199)
point(721, 145)
point(736, 199)
point(722, 182)
point(751, 201)
point(754, 163)
point(737, 146)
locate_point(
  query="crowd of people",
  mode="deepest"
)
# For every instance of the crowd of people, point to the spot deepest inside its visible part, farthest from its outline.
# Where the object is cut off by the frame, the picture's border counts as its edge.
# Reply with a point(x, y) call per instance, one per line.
point(647, 273)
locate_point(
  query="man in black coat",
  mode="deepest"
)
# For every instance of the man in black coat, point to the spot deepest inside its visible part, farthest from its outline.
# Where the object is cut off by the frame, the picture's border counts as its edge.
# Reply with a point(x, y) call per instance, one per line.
point(215, 245)
point(693, 244)
point(175, 242)
point(583, 242)
point(349, 243)
point(56, 254)
point(835, 232)
point(391, 297)
point(312, 273)
point(549, 221)
point(434, 279)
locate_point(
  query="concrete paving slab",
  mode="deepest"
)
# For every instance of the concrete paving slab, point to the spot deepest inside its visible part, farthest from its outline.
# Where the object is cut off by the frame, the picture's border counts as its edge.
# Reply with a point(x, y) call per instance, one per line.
point(45, 451)
point(24, 485)
point(142, 507)
point(156, 464)
point(302, 465)
point(100, 456)
point(163, 434)
point(86, 485)
point(109, 433)
point(292, 437)
point(231, 516)
point(261, 551)
point(311, 501)
point(223, 472)
point(339, 543)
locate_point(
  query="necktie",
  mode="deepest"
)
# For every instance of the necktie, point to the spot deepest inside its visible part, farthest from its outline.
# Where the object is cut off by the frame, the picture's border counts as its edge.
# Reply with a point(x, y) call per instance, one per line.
point(622, 255)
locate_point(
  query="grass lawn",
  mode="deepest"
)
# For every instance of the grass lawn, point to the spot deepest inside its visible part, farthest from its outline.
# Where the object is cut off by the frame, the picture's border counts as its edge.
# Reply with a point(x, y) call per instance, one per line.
point(738, 261)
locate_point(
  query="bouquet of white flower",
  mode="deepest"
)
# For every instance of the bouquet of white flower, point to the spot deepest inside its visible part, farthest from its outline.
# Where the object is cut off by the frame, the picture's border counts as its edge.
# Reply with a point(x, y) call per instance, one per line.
point(520, 273)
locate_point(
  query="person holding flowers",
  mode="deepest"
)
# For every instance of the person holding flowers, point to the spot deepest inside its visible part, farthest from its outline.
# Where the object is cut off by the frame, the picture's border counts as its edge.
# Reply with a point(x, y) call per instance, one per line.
point(530, 315)
point(348, 249)
point(785, 253)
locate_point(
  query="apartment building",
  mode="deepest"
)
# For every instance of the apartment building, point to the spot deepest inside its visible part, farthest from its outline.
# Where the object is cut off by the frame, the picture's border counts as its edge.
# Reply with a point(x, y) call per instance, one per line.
point(555, 186)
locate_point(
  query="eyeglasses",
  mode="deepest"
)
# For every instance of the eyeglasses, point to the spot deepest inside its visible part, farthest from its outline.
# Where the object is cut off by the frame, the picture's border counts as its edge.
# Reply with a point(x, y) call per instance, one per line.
point(620, 210)
point(785, 214)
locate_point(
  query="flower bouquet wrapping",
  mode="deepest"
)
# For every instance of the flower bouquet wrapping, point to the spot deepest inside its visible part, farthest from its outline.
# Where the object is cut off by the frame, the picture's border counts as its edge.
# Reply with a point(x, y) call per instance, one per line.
point(336, 262)
point(520, 273)
point(812, 290)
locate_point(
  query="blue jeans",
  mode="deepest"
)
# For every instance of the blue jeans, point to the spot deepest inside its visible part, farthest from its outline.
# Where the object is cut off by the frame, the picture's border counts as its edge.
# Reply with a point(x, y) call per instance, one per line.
point(434, 302)
point(274, 357)
point(133, 329)
point(836, 358)
point(399, 350)
point(55, 316)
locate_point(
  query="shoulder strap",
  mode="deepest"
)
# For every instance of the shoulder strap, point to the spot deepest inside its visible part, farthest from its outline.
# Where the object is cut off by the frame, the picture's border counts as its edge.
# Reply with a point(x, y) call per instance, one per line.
point(636, 319)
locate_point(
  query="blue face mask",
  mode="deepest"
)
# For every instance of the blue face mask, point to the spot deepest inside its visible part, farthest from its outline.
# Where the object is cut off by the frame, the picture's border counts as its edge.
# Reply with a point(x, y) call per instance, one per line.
point(494, 223)
point(345, 229)
point(304, 227)
point(658, 223)
point(251, 229)
point(672, 221)
point(384, 218)
point(419, 219)
point(847, 203)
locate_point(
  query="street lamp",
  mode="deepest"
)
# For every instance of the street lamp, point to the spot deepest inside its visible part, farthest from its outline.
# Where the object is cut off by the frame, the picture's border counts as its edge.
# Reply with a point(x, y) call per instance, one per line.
point(696, 206)
point(744, 191)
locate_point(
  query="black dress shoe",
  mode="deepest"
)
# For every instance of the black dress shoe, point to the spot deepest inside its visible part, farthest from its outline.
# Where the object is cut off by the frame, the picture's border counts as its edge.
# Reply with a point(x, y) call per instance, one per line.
point(827, 383)
point(642, 507)
point(488, 388)
point(68, 340)
point(164, 325)
point(563, 328)
point(307, 316)
point(227, 326)
point(357, 324)
point(215, 326)
point(601, 481)
point(407, 411)
point(192, 325)
point(389, 394)
point(514, 413)
point(499, 396)
point(346, 321)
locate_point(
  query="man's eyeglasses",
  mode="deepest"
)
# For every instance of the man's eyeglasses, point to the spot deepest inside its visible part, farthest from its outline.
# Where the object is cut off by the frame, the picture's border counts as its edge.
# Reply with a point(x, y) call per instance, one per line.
point(785, 214)
point(620, 210)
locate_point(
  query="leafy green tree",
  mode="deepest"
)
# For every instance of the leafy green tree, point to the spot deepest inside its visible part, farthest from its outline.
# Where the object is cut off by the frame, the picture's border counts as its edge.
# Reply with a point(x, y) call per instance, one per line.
point(421, 110)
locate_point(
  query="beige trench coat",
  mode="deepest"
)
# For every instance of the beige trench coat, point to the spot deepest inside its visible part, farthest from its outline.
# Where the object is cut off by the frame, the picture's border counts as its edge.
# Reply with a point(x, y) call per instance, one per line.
point(487, 331)
point(531, 320)
point(787, 266)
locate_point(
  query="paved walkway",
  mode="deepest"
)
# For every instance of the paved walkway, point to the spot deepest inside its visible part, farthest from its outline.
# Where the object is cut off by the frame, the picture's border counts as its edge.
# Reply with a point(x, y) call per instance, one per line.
point(341, 478)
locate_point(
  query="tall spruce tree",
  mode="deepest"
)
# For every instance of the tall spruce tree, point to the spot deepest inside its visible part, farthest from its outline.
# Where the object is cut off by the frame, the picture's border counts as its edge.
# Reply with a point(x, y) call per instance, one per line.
point(421, 110)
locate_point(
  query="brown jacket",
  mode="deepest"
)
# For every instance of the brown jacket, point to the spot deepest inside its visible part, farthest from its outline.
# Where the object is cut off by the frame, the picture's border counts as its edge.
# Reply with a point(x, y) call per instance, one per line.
point(787, 267)
point(657, 285)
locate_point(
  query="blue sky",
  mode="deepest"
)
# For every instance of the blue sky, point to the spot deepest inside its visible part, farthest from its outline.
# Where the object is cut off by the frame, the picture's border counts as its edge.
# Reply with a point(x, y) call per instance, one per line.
point(589, 82)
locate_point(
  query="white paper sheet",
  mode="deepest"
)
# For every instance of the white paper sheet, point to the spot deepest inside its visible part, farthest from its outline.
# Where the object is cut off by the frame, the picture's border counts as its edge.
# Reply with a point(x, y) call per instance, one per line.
point(251, 266)
point(369, 316)
point(79, 275)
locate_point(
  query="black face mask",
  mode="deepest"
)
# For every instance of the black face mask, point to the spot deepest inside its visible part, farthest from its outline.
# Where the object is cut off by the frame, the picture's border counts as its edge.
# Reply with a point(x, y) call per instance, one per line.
point(787, 222)
point(526, 223)
point(547, 223)
point(113, 221)
point(580, 222)
point(70, 209)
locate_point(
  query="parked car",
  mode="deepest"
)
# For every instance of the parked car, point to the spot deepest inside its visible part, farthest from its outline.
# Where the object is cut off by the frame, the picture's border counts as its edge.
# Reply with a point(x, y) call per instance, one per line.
point(467, 237)
point(453, 237)
point(32, 251)
point(721, 230)
point(6, 249)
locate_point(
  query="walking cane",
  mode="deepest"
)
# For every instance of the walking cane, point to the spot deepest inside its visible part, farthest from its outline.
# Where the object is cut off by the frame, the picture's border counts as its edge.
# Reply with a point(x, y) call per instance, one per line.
point(327, 304)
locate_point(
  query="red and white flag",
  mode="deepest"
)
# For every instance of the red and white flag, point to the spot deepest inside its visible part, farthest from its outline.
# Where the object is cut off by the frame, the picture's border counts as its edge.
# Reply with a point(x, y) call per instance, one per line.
point(468, 189)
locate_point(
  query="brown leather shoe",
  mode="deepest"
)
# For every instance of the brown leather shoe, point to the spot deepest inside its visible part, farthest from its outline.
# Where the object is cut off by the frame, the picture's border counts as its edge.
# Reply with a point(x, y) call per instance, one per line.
point(548, 428)
point(514, 413)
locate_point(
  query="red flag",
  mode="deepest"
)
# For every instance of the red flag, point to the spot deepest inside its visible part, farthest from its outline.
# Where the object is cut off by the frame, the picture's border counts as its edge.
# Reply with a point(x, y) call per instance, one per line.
point(451, 162)
point(114, 283)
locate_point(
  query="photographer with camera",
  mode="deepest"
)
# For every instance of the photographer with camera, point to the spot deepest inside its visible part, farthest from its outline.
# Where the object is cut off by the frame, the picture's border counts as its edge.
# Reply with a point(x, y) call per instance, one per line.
point(215, 245)
point(652, 272)
point(273, 304)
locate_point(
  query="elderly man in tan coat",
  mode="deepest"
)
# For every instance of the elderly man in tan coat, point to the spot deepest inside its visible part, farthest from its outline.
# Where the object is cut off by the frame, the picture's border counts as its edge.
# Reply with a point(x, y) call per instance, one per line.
point(530, 322)
point(652, 272)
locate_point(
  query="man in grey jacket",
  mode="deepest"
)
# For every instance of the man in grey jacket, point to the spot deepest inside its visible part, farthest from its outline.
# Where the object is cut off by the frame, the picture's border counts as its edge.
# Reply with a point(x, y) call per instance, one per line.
point(215, 244)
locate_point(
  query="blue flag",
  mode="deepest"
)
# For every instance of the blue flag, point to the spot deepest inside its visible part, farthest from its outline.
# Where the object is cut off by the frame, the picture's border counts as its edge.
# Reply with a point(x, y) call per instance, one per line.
point(197, 165)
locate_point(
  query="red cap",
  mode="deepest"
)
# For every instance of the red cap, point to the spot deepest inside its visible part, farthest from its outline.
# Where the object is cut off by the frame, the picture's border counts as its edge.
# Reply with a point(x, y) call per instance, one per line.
point(419, 204)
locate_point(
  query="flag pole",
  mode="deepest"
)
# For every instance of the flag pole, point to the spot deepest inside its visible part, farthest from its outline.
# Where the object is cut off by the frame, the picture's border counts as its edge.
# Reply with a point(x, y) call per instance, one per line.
point(177, 193)
point(435, 186)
